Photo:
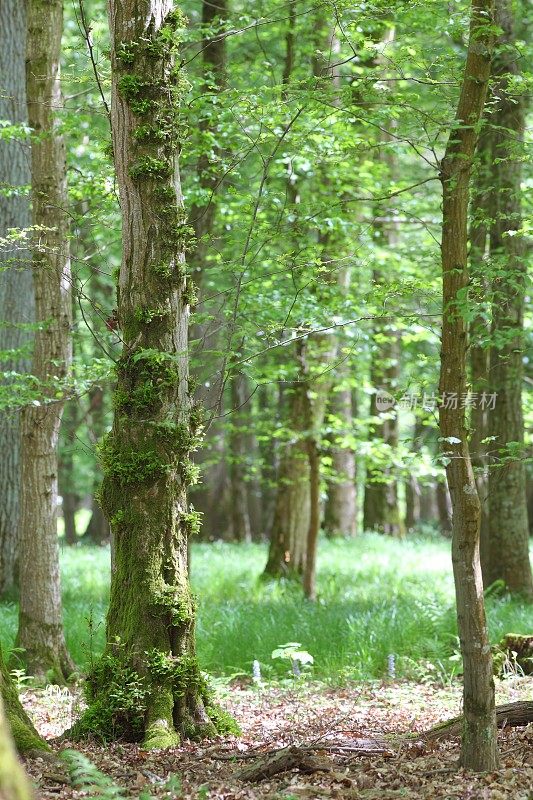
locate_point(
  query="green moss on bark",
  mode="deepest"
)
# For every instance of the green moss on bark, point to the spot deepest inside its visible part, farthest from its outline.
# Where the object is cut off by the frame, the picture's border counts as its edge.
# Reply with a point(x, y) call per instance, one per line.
point(148, 685)
point(24, 734)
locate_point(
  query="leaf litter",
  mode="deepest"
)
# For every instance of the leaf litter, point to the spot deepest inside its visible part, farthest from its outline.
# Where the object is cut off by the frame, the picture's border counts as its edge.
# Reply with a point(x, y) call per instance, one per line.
point(361, 740)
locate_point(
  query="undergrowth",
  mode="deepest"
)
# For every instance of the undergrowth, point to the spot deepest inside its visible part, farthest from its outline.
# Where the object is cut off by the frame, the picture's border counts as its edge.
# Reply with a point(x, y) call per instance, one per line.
point(377, 598)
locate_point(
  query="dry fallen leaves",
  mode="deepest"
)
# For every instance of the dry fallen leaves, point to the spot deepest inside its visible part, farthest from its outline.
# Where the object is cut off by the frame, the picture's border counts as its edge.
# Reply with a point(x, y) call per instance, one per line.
point(337, 725)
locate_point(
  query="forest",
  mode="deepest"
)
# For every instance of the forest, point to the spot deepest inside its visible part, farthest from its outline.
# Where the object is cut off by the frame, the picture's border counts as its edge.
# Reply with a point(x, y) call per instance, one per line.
point(266, 407)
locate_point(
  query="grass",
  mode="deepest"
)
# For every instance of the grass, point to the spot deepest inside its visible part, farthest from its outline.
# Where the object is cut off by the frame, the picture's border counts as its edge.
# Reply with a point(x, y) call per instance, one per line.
point(377, 597)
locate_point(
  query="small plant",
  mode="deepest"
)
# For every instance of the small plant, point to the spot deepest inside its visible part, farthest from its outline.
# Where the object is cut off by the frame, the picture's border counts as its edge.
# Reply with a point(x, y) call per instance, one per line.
point(298, 658)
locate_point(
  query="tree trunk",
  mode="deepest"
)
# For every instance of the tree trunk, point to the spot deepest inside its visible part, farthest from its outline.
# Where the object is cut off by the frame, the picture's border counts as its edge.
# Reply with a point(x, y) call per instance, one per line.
point(381, 510)
point(40, 634)
point(14, 784)
point(16, 287)
point(479, 744)
point(238, 441)
point(292, 510)
point(508, 539)
point(26, 737)
point(479, 329)
point(70, 499)
point(145, 457)
point(341, 506)
point(97, 530)
point(205, 336)
point(381, 504)
point(412, 503)
point(444, 505)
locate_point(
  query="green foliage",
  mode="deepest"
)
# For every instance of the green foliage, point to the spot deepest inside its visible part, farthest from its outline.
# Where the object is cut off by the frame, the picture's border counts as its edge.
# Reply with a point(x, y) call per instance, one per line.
point(116, 697)
point(377, 596)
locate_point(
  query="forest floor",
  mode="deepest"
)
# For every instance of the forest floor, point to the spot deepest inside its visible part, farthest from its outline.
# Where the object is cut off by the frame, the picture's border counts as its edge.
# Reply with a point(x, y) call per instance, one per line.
point(354, 732)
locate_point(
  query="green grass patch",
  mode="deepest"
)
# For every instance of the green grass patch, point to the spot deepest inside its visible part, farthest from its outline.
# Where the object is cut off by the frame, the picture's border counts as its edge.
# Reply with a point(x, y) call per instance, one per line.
point(377, 597)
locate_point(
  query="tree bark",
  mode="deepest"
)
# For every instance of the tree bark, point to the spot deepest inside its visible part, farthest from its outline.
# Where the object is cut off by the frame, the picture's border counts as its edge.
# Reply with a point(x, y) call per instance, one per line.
point(341, 507)
point(40, 634)
point(205, 336)
point(481, 213)
point(97, 530)
point(292, 510)
point(70, 498)
point(16, 287)
point(145, 457)
point(479, 743)
point(381, 504)
point(238, 441)
point(508, 535)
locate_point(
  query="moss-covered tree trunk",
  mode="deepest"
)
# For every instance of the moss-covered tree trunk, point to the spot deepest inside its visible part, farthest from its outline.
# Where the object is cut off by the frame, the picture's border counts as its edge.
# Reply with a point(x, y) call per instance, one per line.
point(479, 745)
point(148, 684)
point(16, 287)
point(14, 784)
point(24, 734)
point(508, 536)
point(40, 634)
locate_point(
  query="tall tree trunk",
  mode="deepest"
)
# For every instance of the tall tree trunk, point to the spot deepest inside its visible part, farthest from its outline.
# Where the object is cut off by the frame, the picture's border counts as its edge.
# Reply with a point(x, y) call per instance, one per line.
point(238, 441)
point(70, 498)
point(481, 212)
point(292, 511)
point(97, 530)
point(16, 287)
point(145, 457)
point(40, 634)
point(508, 538)
point(205, 337)
point(444, 505)
point(340, 517)
point(381, 510)
point(381, 503)
point(479, 745)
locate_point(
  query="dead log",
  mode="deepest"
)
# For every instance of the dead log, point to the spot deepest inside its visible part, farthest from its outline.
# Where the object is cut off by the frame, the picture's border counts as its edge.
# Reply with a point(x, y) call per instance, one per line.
point(508, 715)
point(281, 761)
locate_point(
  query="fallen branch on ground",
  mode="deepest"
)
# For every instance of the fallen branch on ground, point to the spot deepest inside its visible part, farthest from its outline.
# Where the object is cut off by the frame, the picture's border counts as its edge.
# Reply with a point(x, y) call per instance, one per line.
point(510, 715)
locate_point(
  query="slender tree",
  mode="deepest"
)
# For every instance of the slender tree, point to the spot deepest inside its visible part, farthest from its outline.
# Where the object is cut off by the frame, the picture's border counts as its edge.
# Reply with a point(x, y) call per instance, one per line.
point(40, 634)
point(145, 458)
point(16, 288)
point(340, 518)
point(381, 510)
point(479, 745)
point(238, 452)
point(508, 535)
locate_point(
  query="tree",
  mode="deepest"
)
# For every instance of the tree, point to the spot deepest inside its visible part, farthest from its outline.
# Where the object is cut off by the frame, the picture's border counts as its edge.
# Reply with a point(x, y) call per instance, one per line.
point(40, 633)
point(16, 289)
point(24, 734)
point(479, 745)
point(148, 684)
point(340, 517)
point(508, 535)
